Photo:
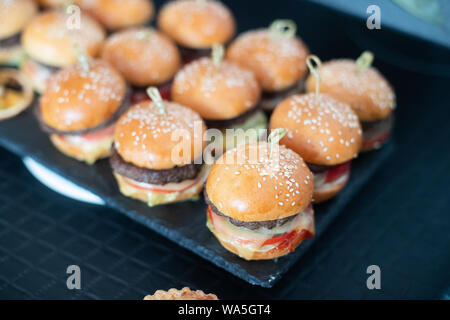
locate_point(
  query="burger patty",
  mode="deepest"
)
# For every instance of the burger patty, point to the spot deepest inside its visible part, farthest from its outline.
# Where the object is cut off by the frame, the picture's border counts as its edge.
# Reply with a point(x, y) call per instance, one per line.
point(10, 41)
point(189, 54)
point(116, 115)
point(269, 100)
point(228, 123)
point(317, 168)
point(377, 126)
point(150, 176)
point(298, 86)
point(252, 225)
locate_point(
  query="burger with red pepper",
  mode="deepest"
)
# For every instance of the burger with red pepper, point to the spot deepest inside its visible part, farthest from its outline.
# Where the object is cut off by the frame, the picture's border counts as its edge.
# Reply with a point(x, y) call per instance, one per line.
point(51, 42)
point(196, 25)
point(14, 15)
point(326, 133)
point(277, 58)
point(79, 109)
point(259, 207)
point(146, 155)
point(363, 88)
point(145, 57)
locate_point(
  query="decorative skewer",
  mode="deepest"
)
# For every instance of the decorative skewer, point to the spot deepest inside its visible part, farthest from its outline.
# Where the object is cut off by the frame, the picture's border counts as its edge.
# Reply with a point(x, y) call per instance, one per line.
point(154, 94)
point(144, 34)
point(274, 138)
point(217, 53)
point(315, 70)
point(283, 28)
point(364, 61)
point(82, 58)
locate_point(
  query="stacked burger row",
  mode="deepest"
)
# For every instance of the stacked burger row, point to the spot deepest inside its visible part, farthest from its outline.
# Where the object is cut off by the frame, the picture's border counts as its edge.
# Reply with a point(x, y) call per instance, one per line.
point(145, 97)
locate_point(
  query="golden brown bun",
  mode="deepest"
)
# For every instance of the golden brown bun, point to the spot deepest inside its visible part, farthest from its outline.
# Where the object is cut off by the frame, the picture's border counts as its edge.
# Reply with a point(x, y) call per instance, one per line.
point(144, 56)
point(216, 92)
point(144, 136)
point(368, 93)
point(321, 196)
point(14, 15)
point(321, 129)
point(267, 255)
point(78, 100)
point(246, 190)
point(278, 62)
point(117, 14)
point(146, 196)
point(48, 39)
point(97, 150)
point(196, 25)
point(183, 294)
point(22, 100)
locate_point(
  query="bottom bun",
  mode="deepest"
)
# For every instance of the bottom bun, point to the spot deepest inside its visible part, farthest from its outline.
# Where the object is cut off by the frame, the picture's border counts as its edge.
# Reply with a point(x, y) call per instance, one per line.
point(251, 244)
point(329, 190)
point(156, 197)
point(86, 151)
point(256, 255)
point(376, 133)
point(375, 144)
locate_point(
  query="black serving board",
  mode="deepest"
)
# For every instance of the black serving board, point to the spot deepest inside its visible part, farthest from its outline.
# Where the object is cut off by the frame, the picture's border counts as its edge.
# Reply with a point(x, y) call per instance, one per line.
point(183, 223)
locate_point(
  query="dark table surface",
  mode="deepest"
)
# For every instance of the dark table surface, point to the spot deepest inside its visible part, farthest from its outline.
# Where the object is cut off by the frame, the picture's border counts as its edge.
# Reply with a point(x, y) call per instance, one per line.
point(399, 221)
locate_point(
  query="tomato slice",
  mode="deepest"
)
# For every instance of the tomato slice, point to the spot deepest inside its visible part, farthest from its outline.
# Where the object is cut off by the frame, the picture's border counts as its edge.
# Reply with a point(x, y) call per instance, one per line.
point(165, 91)
point(285, 237)
point(337, 171)
point(370, 144)
point(138, 96)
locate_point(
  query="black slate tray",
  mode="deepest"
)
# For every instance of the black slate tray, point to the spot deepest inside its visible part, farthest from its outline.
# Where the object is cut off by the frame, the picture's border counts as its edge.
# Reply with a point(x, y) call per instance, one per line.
point(183, 223)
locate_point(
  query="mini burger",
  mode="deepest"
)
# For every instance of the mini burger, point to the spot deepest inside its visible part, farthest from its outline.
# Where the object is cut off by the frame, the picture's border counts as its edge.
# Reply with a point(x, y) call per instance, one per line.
point(259, 207)
point(223, 93)
point(277, 58)
point(51, 43)
point(119, 14)
point(325, 132)
point(146, 159)
point(16, 93)
point(79, 109)
point(368, 93)
point(14, 15)
point(145, 57)
point(196, 25)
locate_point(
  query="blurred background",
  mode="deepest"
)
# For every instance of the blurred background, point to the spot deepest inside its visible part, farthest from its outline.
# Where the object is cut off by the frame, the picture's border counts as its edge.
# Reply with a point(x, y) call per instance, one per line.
point(400, 220)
